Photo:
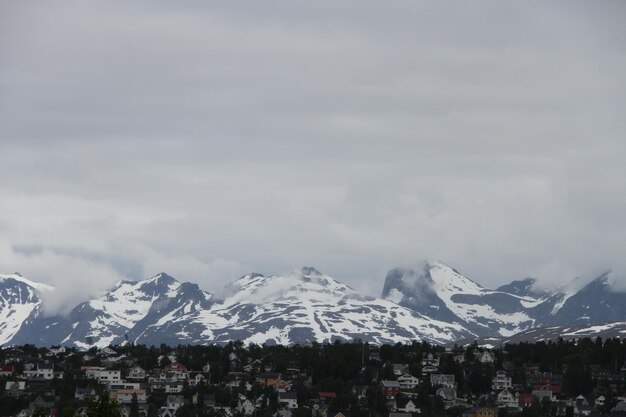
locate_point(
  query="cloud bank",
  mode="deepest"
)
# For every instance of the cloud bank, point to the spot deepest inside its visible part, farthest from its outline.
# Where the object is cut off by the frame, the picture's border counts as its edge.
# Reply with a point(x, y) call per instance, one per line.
point(209, 140)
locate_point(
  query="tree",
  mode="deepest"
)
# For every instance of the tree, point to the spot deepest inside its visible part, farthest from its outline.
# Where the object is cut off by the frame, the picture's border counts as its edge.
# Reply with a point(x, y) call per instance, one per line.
point(134, 407)
point(105, 406)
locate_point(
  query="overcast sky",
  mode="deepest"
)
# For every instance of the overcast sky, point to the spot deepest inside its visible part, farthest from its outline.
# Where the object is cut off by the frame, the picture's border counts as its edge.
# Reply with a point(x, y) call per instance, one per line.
point(213, 139)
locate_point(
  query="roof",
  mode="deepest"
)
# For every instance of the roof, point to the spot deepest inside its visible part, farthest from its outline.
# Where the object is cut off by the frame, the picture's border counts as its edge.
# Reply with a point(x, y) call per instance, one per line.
point(390, 384)
point(287, 396)
point(401, 402)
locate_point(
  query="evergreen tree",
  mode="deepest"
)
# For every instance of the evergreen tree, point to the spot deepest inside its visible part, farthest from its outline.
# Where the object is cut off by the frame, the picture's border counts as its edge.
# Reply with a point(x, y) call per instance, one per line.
point(134, 407)
point(105, 406)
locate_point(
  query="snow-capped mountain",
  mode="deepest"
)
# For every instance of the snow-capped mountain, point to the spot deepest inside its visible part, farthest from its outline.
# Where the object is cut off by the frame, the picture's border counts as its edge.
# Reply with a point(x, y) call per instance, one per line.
point(442, 292)
point(436, 304)
point(603, 330)
point(19, 304)
point(130, 309)
point(307, 305)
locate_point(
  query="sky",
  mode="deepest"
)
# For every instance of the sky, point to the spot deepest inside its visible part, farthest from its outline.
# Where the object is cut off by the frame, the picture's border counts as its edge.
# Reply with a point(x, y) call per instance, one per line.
point(212, 139)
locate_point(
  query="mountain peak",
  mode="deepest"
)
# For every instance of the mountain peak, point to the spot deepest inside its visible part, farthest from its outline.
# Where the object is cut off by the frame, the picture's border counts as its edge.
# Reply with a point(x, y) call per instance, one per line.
point(310, 271)
point(163, 277)
point(18, 277)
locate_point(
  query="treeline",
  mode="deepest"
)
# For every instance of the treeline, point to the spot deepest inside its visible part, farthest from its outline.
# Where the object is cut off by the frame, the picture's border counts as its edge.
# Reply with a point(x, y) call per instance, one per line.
point(339, 368)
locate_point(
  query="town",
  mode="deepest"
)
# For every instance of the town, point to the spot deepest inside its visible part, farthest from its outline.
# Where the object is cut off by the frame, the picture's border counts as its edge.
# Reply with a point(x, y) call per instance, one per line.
point(557, 378)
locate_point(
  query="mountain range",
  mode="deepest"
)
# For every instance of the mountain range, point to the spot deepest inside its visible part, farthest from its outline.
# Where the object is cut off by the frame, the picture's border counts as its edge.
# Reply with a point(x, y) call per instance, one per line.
point(435, 303)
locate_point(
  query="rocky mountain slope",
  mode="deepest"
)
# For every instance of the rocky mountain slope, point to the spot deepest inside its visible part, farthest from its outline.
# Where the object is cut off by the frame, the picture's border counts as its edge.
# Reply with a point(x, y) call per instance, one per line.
point(20, 304)
point(435, 303)
point(441, 292)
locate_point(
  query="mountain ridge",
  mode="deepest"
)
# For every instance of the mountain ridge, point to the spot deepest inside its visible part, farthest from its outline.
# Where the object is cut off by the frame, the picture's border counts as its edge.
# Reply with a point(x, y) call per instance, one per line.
point(435, 303)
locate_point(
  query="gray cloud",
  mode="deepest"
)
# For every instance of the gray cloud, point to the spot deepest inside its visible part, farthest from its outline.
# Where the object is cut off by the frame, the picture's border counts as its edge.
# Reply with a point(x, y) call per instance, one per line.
point(209, 140)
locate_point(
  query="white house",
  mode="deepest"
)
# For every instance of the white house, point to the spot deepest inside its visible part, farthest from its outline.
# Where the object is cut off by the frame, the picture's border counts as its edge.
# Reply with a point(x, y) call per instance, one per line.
point(486, 357)
point(42, 371)
point(245, 406)
point(444, 380)
point(136, 372)
point(507, 398)
point(501, 381)
point(108, 376)
point(430, 359)
point(407, 381)
point(174, 402)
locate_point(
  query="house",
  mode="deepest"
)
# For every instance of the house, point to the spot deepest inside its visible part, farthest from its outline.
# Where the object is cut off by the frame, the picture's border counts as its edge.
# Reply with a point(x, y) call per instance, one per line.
point(600, 401)
point(91, 372)
point(448, 395)
point(82, 394)
point(325, 398)
point(59, 350)
point(124, 385)
point(174, 402)
point(174, 387)
point(208, 400)
point(6, 370)
point(137, 373)
point(543, 391)
point(269, 379)
point(390, 388)
point(444, 380)
point(125, 396)
point(197, 379)
point(507, 398)
point(289, 399)
point(501, 381)
point(430, 359)
point(400, 369)
point(245, 406)
point(41, 371)
point(407, 381)
point(143, 410)
point(459, 358)
point(337, 413)
point(107, 351)
point(406, 404)
point(486, 357)
point(176, 370)
point(166, 412)
point(108, 376)
point(15, 389)
point(429, 369)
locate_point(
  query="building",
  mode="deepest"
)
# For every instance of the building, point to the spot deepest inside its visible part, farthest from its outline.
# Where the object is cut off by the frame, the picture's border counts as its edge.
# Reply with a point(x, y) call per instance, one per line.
point(125, 396)
point(288, 399)
point(444, 380)
point(390, 388)
point(407, 381)
point(501, 381)
point(137, 373)
point(507, 398)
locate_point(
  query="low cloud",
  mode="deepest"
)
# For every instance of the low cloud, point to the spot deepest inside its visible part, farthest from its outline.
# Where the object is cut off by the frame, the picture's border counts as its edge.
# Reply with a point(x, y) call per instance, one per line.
point(209, 140)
